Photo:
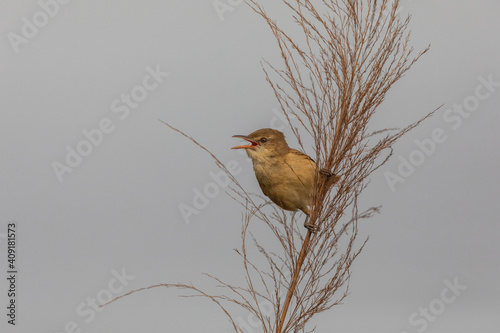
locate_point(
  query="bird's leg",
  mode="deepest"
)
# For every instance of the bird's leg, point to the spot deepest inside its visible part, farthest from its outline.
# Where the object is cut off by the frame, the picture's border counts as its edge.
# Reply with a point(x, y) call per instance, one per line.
point(312, 228)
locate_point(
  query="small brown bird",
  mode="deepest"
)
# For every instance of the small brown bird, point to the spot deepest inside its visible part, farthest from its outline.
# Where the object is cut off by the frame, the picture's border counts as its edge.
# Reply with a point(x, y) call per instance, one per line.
point(285, 175)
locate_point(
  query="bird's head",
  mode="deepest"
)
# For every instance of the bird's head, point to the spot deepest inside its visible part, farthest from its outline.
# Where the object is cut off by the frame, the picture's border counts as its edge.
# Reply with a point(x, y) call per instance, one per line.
point(264, 143)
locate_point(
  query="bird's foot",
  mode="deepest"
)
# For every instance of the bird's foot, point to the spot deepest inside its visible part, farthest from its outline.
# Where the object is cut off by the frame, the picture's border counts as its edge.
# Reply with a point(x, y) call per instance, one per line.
point(330, 175)
point(325, 172)
point(312, 228)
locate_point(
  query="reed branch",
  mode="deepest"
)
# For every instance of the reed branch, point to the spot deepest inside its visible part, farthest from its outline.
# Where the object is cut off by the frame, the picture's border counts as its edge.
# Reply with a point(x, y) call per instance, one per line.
point(336, 69)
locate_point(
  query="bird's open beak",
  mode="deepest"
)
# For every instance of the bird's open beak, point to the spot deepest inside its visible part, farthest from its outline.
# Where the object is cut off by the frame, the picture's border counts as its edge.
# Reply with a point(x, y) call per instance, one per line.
point(251, 145)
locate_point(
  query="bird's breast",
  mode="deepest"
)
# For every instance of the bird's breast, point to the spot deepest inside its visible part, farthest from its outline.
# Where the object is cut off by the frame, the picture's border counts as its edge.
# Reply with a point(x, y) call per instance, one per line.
point(288, 184)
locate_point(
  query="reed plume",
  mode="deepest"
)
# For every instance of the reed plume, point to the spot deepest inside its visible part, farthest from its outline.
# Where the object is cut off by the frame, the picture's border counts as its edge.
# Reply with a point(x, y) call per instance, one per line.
point(329, 85)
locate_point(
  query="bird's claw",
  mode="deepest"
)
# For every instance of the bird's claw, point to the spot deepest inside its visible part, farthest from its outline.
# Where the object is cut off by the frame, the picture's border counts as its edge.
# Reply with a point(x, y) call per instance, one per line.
point(329, 175)
point(312, 228)
point(326, 172)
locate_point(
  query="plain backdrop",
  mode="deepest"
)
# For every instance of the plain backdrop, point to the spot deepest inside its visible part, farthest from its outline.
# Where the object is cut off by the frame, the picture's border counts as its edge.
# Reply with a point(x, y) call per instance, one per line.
point(119, 208)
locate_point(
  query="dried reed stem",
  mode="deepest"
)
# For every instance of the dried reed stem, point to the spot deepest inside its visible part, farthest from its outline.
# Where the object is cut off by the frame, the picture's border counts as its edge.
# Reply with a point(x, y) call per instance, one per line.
point(329, 86)
point(300, 261)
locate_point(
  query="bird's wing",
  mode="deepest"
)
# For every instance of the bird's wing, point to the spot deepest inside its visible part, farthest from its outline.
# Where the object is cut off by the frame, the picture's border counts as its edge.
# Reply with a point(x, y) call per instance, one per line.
point(299, 154)
point(331, 177)
point(301, 165)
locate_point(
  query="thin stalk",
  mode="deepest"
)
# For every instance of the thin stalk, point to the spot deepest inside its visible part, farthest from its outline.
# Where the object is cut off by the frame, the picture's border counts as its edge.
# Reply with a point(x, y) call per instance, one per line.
point(293, 285)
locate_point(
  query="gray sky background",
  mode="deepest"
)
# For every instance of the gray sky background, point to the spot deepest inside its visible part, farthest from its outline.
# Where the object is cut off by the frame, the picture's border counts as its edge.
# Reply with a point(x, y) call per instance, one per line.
point(119, 208)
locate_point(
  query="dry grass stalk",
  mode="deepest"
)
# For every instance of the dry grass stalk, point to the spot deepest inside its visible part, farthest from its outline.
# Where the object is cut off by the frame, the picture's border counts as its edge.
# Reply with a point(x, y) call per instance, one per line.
point(332, 83)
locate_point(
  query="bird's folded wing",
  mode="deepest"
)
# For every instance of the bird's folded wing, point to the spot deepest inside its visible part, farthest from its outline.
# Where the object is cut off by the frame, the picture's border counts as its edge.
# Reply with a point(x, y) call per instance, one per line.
point(301, 165)
point(330, 176)
point(299, 154)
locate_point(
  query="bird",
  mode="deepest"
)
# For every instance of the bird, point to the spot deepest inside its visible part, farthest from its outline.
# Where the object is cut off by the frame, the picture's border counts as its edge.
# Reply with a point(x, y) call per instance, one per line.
point(286, 176)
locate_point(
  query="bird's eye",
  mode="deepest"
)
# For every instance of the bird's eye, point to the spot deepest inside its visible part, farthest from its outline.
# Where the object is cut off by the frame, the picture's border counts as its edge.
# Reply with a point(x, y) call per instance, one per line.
point(263, 140)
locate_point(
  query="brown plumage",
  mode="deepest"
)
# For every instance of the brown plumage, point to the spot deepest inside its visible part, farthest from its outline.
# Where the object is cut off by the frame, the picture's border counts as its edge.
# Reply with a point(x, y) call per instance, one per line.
point(285, 175)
